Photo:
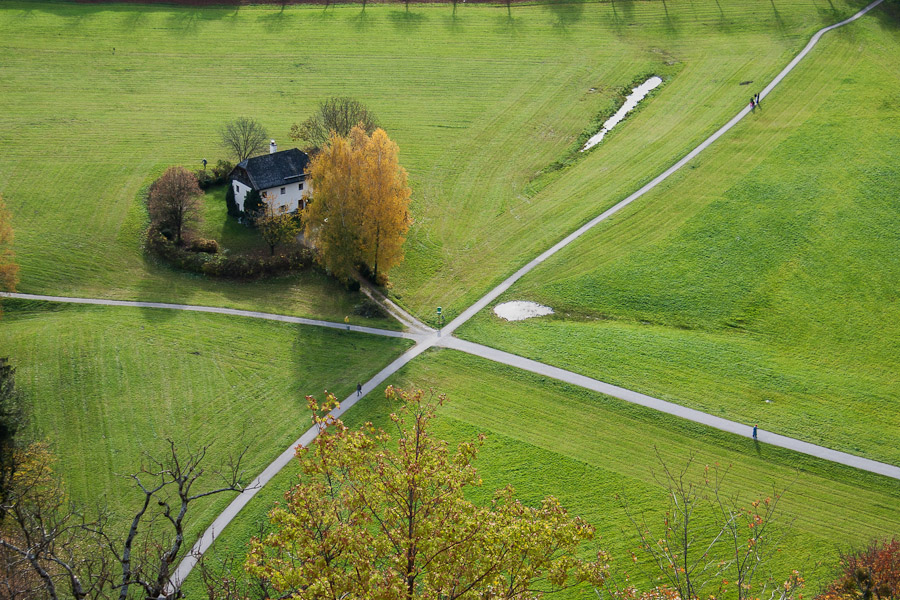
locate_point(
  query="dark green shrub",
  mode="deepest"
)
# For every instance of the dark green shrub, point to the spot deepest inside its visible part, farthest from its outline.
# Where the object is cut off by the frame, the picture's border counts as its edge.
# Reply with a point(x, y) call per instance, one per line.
point(221, 170)
point(231, 204)
point(204, 245)
point(253, 205)
point(369, 310)
point(239, 266)
point(204, 178)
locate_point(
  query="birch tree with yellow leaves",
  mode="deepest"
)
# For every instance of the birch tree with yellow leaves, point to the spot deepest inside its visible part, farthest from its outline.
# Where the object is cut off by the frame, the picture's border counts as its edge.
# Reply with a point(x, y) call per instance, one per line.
point(358, 215)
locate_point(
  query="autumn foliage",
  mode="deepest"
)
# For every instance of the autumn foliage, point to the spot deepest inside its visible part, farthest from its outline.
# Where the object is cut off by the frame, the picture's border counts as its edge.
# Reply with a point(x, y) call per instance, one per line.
point(870, 574)
point(385, 516)
point(174, 202)
point(358, 215)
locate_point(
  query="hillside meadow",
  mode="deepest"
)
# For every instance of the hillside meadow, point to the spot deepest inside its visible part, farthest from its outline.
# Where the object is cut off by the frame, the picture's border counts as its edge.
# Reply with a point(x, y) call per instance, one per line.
point(591, 451)
point(100, 98)
point(106, 387)
point(760, 282)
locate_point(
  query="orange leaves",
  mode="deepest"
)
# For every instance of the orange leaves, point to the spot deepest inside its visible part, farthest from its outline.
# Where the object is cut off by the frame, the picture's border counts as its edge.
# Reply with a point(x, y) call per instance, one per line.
point(359, 211)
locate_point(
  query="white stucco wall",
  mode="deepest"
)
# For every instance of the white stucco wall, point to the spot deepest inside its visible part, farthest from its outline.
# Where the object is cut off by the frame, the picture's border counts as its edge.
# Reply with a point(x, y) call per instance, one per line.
point(294, 195)
point(292, 199)
point(240, 193)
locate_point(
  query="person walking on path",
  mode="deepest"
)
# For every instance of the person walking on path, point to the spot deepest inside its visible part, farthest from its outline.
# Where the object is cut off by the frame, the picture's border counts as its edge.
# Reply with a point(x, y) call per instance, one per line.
point(359, 393)
point(757, 98)
point(754, 432)
point(752, 103)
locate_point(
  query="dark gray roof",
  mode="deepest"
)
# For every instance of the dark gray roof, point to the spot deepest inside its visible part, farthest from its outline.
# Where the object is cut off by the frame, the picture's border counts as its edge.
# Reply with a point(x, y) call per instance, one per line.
point(273, 170)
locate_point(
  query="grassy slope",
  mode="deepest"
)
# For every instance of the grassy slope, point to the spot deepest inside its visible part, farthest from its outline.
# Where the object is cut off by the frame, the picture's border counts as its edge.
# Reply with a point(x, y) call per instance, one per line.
point(760, 284)
point(99, 98)
point(547, 438)
point(108, 384)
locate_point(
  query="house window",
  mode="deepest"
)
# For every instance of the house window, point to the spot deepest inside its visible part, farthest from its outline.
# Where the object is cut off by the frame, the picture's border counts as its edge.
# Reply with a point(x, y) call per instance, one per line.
point(236, 188)
point(301, 185)
point(282, 191)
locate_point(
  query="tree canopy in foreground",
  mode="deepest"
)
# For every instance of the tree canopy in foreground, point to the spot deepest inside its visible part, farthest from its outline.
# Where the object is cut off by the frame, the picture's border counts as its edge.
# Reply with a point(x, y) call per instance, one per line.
point(385, 516)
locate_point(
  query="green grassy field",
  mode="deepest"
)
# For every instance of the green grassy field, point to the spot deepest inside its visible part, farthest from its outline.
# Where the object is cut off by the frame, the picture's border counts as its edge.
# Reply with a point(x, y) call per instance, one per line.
point(765, 271)
point(760, 283)
point(100, 98)
point(231, 235)
point(106, 385)
point(547, 438)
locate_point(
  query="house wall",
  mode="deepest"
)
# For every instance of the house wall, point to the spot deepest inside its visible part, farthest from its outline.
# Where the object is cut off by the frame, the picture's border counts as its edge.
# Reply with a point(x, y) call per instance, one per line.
point(293, 198)
point(240, 193)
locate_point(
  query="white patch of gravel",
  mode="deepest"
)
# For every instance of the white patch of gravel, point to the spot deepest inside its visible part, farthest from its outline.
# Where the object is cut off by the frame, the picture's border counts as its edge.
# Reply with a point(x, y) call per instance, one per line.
point(637, 94)
point(519, 310)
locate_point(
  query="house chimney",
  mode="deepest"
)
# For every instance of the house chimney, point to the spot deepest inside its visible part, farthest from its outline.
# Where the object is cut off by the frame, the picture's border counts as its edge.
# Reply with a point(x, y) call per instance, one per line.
point(273, 147)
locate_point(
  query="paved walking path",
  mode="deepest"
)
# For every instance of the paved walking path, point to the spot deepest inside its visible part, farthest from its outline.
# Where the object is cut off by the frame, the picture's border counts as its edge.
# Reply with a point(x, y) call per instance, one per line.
point(444, 338)
point(765, 437)
point(231, 511)
point(409, 321)
point(495, 293)
point(426, 338)
point(221, 311)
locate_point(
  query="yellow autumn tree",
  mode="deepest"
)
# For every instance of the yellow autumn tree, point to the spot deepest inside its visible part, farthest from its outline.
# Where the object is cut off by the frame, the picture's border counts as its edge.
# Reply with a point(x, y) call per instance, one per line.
point(385, 218)
point(358, 214)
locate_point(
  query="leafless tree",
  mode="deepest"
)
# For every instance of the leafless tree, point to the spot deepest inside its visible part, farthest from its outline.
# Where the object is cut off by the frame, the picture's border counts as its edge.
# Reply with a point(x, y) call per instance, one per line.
point(51, 544)
point(708, 540)
point(244, 137)
point(169, 483)
point(338, 114)
point(174, 202)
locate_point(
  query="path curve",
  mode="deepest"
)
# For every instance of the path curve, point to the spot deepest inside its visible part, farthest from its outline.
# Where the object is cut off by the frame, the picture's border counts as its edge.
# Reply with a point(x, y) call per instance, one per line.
point(220, 311)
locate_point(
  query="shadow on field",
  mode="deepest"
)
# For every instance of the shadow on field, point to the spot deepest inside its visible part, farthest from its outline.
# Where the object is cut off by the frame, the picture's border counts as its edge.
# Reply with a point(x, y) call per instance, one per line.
point(276, 20)
point(566, 13)
point(406, 21)
point(362, 21)
point(888, 14)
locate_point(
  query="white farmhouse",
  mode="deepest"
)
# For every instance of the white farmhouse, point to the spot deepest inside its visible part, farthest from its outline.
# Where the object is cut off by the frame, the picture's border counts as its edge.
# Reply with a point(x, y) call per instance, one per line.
point(279, 177)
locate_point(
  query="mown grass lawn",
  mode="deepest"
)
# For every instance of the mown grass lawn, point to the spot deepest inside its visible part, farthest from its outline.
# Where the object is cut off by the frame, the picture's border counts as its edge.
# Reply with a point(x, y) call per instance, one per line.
point(218, 225)
point(760, 283)
point(100, 98)
point(547, 438)
point(106, 385)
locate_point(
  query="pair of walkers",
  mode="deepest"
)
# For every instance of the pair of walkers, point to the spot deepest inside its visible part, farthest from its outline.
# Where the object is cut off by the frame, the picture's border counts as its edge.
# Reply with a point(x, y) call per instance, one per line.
point(754, 101)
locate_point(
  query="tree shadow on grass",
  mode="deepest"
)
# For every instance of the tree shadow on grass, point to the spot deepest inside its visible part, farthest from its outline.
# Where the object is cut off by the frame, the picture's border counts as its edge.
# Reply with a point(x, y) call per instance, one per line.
point(565, 12)
point(362, 21)
point(506, 24)
point(408, 22)
point(888, 14)
point(454, 23)
point(276, 20)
